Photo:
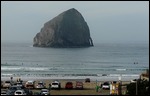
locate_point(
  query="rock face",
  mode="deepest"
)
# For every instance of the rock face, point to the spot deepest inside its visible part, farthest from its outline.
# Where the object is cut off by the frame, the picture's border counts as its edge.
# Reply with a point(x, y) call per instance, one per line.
point(68, 29)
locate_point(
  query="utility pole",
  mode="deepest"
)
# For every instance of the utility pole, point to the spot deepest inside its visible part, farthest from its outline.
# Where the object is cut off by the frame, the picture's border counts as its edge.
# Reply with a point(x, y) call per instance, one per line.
point(136, 88)
point(120, 88)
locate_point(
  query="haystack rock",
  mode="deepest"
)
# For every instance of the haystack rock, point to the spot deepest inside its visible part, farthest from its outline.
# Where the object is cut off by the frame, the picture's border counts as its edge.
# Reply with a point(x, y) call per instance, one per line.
point(68, 29)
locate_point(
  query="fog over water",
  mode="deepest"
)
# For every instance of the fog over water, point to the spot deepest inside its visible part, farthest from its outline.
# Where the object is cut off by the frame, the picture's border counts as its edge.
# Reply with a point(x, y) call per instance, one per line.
point(109, 21)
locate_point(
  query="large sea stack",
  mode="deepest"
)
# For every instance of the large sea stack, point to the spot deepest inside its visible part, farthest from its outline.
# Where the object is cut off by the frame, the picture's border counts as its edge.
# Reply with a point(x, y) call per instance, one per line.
point(68, 29)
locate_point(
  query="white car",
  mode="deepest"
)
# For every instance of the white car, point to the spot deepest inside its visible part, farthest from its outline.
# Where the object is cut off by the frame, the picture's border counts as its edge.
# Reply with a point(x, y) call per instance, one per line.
point(20, 92)
point(40, 85)
point(106, 85)
point(7, 84)
point(30, 84)
point(45, 92)
point(55, 85)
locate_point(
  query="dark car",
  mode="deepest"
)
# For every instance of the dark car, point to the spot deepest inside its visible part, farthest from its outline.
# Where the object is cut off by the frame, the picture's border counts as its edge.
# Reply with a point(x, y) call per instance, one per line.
point(69, 85)
point(87, 80)
point(12, 89)
point(79, 85)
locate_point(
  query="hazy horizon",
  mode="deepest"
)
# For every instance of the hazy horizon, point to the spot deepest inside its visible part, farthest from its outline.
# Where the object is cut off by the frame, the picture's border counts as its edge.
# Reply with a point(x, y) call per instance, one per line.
point(108, 21)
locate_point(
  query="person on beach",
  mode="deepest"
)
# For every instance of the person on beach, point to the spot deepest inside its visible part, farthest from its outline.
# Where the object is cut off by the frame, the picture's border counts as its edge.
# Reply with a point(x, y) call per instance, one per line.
point(11, 81)
point(18, 79)
point(49, 87)
point(97, 88)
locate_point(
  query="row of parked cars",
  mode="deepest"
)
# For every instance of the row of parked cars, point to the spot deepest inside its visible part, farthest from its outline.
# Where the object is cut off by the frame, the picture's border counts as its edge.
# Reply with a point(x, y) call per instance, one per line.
point(68, 85)
point(20, 88)
point(24, 88)
point(54, 85)
point(14, 88)
point(40, 85)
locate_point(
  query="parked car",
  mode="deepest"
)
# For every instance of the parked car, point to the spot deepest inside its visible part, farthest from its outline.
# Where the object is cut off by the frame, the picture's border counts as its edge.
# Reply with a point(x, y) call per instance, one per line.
point(30, 84)
point(55, 85)
point(87, 80)
point(69, 85)
point(3, 92)
point(40, 85)
point(20, 92)
point(7, 84)
point(12, 89)
point(79, 85)
point(44, 92)
point(104, 74)
point(106, 85)
point(20, 84)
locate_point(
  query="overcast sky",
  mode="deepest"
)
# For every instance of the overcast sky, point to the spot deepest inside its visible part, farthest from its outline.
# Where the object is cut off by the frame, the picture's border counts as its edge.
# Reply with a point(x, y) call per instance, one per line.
point(109, 21)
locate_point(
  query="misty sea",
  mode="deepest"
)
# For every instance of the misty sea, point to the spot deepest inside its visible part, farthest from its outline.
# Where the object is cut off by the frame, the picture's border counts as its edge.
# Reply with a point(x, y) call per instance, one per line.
point(105, 60)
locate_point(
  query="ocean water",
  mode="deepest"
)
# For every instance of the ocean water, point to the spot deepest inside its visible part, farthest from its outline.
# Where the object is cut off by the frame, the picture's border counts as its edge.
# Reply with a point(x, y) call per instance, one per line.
point(101, 61)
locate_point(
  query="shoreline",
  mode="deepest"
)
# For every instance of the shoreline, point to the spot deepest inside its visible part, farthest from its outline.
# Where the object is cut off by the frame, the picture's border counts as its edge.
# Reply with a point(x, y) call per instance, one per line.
point(92, 78)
